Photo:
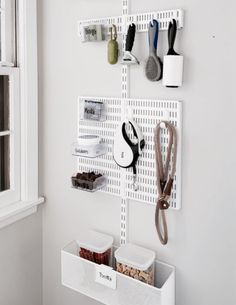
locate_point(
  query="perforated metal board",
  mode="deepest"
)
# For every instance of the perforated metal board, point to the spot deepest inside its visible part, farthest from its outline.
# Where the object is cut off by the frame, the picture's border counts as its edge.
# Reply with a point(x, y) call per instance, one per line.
point(147, 113)
point(104, 164)
point(163, 17)
point(141, 21)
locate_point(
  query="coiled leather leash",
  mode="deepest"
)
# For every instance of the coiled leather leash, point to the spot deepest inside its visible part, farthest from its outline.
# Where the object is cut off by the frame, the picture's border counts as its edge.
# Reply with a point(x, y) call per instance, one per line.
point(165, 177)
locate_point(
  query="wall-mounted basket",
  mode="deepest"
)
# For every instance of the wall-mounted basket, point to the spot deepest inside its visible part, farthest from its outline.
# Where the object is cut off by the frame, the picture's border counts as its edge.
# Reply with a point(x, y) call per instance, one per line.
point(80, 275)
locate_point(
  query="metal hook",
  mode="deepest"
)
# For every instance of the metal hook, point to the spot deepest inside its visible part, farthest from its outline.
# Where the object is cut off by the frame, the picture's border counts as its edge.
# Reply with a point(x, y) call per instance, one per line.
point(113, 31)
point(152, 22)
point(135, 184)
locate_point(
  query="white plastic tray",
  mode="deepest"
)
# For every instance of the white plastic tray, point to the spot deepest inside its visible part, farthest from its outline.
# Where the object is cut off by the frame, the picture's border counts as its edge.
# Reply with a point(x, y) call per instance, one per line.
point(79, 275)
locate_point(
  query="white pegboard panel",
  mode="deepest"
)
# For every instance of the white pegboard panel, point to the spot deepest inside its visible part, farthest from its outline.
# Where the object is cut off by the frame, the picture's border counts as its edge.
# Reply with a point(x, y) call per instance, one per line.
point(164, 17)
point(104, 164)
point(147, 113)
point(141, 20)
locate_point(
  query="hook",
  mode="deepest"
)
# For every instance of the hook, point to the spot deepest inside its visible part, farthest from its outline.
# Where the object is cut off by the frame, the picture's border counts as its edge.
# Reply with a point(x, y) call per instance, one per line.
point(165, 118)
point(113, 31)
point(163, 124)
point(129, 115)
point(152, 22)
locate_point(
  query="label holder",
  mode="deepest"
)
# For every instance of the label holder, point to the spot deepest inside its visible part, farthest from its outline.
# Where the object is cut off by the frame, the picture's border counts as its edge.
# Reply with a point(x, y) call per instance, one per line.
point(105, 276)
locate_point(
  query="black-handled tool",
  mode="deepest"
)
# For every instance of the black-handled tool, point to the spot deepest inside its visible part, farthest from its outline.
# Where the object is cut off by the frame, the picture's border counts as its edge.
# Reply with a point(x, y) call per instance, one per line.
point(172, 30)
point(128, 57)
point(173, 62)
point(130, 37)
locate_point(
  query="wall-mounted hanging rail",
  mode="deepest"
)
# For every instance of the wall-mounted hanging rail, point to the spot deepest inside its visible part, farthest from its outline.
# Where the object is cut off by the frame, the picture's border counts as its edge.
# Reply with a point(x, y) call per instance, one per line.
point(141, 20)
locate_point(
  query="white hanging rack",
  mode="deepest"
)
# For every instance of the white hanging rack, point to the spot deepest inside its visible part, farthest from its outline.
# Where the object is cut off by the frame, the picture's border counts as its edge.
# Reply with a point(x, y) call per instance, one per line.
point(141, 21)
point(119, 182)
point(77, 273)
point(147, 114)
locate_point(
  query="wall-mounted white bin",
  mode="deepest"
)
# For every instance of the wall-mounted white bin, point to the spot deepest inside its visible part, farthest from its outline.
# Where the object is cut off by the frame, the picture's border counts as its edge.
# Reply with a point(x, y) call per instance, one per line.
point(82, 276)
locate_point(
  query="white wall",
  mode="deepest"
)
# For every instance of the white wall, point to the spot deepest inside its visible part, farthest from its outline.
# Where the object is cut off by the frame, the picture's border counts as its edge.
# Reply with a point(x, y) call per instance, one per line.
point(21, 262)
point(202, 245)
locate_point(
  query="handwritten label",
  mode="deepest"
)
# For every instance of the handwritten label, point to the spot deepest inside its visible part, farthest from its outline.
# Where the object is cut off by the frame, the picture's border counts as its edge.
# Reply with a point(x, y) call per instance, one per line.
point(106, 276)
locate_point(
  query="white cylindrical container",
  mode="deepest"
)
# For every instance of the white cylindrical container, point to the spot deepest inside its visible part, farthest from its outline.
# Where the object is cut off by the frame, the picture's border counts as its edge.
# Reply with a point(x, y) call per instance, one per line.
point(173, 71)
point(95, 247)
point(89, 146)
point(136, 262)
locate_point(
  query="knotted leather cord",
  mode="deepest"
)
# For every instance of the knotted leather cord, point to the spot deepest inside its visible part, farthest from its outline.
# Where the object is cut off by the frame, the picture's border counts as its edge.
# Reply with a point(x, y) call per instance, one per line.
point(164, 187)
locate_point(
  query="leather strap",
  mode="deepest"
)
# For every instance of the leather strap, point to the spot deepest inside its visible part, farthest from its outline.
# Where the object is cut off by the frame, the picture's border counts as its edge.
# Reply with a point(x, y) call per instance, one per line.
point(164, 178)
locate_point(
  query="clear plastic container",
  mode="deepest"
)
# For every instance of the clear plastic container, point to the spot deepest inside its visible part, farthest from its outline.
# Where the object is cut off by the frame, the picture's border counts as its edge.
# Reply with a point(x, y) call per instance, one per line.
point(93, 33)
point(89, 146)
point(92, 110)
point(136, 262)
point(96, 247)
point(84, 181)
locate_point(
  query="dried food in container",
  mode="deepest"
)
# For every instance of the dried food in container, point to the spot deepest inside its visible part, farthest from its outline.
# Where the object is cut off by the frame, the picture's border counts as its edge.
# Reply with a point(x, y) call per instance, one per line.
point(95, 247)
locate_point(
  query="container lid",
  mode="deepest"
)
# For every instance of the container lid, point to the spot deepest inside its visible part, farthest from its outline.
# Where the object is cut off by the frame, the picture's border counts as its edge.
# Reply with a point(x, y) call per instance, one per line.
point(95, 241)
point(135, 256)
point(89, 139)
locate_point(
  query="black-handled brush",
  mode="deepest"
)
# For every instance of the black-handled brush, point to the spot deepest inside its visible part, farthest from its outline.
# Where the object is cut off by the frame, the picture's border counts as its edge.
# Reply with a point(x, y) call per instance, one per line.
point(153, 69)
point(171, 37)
point(173, 62)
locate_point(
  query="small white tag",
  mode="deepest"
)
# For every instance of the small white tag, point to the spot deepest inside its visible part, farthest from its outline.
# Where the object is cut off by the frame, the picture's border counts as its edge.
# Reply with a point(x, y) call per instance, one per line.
point(106, 276)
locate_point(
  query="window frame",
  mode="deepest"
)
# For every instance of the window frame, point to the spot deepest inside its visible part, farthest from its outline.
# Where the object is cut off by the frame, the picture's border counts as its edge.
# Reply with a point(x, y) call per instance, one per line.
point(13, 194)
point(27, 64)
point(7, 40)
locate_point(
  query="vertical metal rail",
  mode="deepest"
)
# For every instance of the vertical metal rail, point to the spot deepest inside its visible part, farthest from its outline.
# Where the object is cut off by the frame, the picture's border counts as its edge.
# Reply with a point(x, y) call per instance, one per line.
point(125, 95)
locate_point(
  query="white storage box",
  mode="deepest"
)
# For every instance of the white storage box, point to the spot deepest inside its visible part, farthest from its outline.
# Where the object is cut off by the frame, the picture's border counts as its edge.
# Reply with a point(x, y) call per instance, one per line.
point(95, 247)
point(136, 262)
point(81, 275)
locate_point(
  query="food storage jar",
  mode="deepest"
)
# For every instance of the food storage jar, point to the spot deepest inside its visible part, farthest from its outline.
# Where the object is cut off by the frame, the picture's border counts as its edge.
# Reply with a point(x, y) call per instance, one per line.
point(136, 262)
point(95, 247)
point(89, 146)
